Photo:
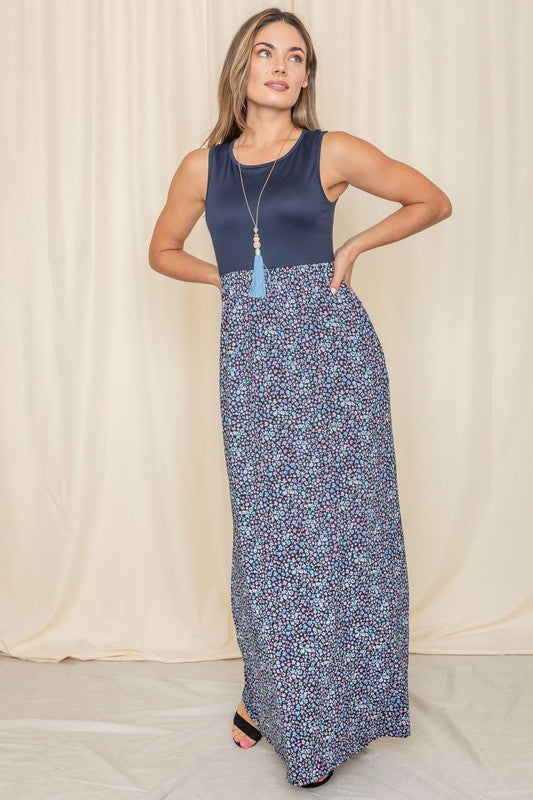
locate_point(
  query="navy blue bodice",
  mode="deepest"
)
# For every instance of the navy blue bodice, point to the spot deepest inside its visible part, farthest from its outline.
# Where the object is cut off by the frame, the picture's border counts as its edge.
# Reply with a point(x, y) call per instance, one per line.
point(295, 216)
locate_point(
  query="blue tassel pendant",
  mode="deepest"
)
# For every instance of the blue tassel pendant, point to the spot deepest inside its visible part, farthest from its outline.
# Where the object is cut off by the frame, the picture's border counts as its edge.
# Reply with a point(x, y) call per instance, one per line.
point(257, 288)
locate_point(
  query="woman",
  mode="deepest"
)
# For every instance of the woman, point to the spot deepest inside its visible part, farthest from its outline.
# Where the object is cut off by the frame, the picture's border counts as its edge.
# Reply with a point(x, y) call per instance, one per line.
point(319, 583)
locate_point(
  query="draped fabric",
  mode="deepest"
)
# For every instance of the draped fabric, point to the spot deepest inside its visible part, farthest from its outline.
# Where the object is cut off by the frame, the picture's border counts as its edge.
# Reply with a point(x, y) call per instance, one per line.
point(115, 518)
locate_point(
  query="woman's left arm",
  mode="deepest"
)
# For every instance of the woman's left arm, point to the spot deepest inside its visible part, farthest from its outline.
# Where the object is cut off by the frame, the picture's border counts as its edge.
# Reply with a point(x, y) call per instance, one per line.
point(358, 162)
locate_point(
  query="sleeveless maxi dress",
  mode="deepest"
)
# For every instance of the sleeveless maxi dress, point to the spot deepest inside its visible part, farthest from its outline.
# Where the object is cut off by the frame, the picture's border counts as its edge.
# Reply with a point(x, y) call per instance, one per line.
point(319, 584)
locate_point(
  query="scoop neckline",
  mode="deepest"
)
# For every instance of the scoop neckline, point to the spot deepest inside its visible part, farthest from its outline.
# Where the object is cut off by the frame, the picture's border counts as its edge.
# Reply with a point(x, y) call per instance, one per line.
point(266, 163)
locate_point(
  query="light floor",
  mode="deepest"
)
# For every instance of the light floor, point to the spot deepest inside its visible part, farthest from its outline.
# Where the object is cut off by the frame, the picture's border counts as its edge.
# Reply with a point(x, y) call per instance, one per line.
point(122, 730)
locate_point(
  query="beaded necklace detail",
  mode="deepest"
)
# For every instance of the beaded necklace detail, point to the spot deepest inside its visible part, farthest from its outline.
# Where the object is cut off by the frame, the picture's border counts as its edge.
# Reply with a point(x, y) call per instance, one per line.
point(257, 287)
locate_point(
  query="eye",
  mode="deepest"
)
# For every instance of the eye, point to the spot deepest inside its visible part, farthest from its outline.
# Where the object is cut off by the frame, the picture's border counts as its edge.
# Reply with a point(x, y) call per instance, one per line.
point(265, 50)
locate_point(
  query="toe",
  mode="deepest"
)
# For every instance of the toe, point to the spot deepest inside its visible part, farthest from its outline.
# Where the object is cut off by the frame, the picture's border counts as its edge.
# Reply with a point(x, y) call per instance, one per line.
point(238, 735)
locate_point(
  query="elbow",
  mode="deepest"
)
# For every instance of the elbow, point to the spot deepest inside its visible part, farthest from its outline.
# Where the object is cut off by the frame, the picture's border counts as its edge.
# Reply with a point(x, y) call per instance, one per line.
point(446, 211)
point(155, 259)
point(152, 259)
point(445, 208)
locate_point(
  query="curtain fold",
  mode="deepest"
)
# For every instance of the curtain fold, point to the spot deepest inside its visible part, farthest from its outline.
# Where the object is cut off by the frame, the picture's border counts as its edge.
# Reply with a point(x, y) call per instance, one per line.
point(115, 518)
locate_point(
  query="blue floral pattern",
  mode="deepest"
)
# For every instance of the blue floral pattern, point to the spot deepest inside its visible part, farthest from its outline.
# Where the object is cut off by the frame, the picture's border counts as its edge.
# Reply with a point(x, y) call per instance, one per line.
point(319, 585)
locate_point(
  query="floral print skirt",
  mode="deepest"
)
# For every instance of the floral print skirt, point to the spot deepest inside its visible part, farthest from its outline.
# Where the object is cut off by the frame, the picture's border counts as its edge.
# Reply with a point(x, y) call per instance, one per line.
point(319, 585)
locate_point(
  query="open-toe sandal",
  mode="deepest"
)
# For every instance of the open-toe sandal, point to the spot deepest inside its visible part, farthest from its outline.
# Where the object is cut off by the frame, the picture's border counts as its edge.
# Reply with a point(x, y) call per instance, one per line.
point(249, 730)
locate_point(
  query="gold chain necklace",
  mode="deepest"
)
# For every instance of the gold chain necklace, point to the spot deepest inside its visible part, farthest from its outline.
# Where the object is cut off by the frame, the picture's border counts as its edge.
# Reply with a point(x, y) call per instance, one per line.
point(257, 288)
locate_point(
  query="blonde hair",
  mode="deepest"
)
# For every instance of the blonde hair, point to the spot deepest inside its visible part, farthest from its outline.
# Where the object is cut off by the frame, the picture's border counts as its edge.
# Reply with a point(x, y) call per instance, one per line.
point(234, 78)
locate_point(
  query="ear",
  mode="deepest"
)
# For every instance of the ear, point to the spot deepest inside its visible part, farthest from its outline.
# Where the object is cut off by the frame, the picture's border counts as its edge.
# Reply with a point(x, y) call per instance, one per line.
point(306, 79)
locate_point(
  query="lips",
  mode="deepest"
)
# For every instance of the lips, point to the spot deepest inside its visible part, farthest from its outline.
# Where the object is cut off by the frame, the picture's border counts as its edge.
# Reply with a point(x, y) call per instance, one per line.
point(279, 86)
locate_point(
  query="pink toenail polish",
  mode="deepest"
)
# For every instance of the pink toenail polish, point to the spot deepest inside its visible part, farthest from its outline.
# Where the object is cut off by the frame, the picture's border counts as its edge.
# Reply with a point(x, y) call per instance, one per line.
point(235, 739)
point(244, 743)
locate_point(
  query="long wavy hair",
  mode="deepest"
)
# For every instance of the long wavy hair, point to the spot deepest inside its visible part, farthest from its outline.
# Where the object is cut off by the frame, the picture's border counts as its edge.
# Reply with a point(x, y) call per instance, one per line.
point(234, 79)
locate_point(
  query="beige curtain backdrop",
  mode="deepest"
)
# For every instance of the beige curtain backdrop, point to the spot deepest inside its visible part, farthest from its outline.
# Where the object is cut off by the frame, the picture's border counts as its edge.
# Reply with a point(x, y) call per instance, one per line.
point(115, 513)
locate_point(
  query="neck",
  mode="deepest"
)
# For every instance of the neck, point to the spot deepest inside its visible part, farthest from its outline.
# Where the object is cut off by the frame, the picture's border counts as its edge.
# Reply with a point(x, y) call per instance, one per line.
point(264, 130)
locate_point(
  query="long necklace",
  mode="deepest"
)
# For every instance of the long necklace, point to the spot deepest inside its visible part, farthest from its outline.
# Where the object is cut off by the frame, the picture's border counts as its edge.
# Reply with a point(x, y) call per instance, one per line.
point(257, 288)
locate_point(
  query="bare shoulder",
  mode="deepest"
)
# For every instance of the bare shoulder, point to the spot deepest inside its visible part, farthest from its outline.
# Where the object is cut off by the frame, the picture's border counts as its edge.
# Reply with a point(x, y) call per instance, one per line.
point(341, 149)
point(184, 205)
point(191, 174)
point(342, 139)
point(352, 160)
point(336, 148)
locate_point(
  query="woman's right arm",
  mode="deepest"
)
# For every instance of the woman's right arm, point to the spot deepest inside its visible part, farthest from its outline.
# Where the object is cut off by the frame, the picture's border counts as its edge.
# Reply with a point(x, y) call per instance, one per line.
point(184, 206)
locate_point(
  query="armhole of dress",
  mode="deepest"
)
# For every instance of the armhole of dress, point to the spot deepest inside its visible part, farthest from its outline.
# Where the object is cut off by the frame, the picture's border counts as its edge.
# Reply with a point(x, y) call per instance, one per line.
point(317, 170)
point(209, 171)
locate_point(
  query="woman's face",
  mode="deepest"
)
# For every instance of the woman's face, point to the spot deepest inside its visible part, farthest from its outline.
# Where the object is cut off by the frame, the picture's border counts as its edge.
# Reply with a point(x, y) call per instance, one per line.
point(278, 54)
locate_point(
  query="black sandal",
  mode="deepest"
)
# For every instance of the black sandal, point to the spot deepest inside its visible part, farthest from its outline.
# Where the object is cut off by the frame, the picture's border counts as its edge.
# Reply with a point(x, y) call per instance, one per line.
point(249, 730)
point(318, 783)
